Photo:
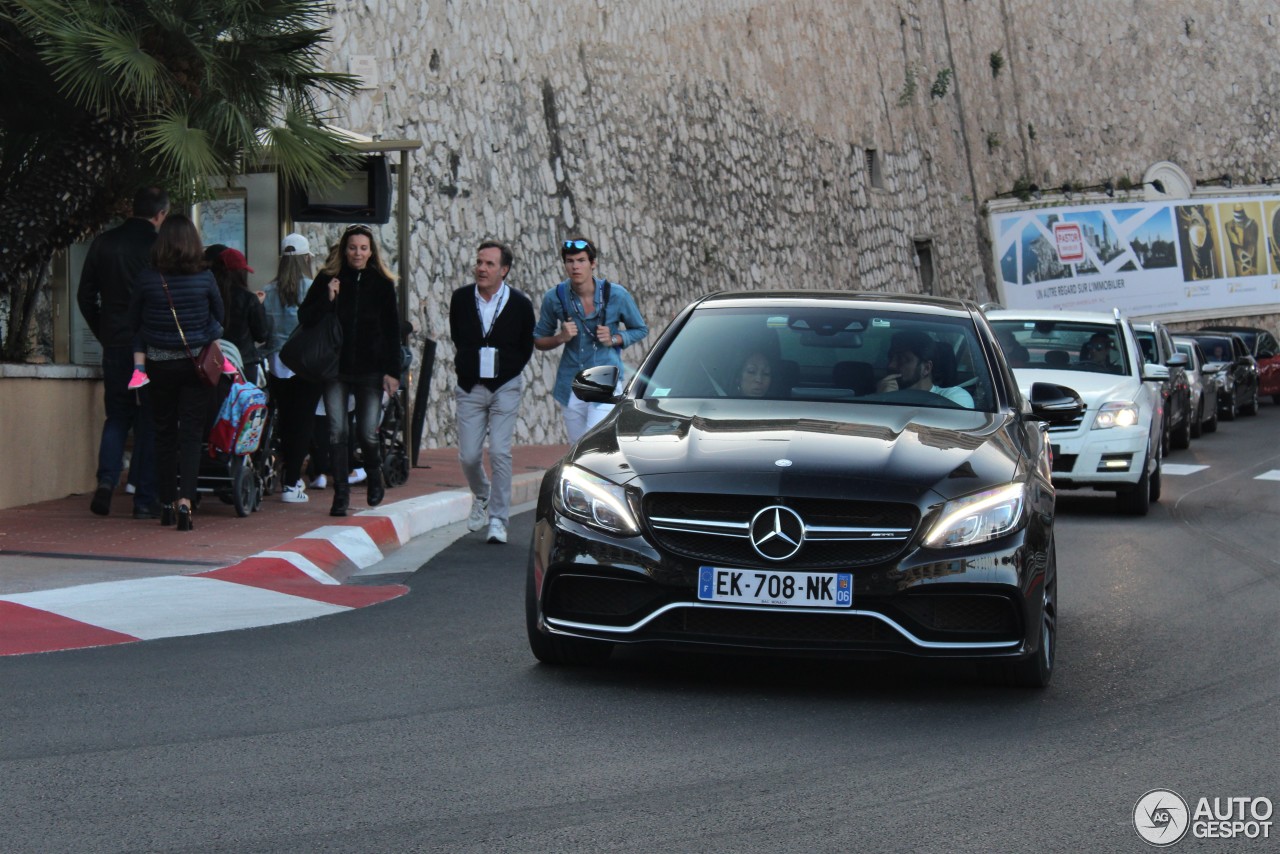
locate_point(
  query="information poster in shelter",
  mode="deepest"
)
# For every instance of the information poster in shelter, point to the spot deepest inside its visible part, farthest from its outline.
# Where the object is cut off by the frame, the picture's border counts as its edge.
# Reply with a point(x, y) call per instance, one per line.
point(1145, 258)
point(224, 221)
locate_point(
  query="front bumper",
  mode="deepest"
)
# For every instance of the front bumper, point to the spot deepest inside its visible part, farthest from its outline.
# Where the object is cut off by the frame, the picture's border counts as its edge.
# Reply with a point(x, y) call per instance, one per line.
point(965, 603)
point(1099, 458)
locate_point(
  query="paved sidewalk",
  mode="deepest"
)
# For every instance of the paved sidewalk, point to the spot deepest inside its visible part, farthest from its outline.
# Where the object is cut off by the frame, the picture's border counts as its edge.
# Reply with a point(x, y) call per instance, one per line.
point(70, 579)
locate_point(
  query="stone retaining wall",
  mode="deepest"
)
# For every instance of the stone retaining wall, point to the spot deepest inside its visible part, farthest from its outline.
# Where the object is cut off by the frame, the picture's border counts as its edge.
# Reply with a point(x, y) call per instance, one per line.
point(735, 144)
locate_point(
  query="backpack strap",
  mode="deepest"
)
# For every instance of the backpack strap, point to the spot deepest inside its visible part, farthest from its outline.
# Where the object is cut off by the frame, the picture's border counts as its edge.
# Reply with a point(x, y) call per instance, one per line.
point(562, 291)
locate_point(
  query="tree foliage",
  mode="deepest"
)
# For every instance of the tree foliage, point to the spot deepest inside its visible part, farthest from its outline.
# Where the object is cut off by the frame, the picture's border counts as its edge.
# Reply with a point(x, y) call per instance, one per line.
point(101, 96)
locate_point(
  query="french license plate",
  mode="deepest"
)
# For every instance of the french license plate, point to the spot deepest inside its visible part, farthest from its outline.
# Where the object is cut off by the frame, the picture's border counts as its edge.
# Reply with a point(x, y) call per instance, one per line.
point(766, 587)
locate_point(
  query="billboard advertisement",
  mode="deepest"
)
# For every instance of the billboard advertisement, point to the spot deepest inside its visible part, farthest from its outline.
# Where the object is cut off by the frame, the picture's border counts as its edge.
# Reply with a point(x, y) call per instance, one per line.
point(1145, 258)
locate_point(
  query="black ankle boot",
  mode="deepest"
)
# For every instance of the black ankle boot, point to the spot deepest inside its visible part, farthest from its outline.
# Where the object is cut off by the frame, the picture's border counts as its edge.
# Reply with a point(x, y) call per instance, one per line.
point(341, 486)
point(167, 515)
point(373, 469)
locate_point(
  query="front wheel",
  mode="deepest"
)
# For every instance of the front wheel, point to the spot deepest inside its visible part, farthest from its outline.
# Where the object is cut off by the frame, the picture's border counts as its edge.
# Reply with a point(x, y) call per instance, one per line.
point(1137, 501)
point(1252, 407)
point(1182, 436)
point(1036, 671)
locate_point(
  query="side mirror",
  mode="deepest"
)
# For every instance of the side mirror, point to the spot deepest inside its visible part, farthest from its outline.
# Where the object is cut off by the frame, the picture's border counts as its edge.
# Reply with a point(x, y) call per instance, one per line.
point(1055, 404)
point(1178, 360)
point(596, 385)
point(1155, 373)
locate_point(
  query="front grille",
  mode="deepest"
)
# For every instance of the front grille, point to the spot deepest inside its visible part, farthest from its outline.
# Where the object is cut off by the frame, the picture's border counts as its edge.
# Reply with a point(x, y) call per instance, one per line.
point(992, 615)
point(726, 624)
point(713, 529)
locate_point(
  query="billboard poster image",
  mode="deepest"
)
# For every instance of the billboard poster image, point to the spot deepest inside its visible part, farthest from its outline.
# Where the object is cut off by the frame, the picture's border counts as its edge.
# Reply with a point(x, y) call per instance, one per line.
point(1145, 258)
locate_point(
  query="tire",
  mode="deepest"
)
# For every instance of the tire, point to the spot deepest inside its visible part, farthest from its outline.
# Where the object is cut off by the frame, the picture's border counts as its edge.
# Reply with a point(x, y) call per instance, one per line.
point(1182, 436)
point(1230, 412)
point(1275, 398)
point(1165, 436)
point(558, 651)
point(1137, 501)
point(1211, 426)
point(1252, 407)
point(1197, 424)
point(1156, 481)
point(1036, 671)
point(244, 486)
point(395, 468)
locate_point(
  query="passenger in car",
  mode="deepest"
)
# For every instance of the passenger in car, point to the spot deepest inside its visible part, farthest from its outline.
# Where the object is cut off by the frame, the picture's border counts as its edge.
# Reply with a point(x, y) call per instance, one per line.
point(912, 359)
point(755, 376)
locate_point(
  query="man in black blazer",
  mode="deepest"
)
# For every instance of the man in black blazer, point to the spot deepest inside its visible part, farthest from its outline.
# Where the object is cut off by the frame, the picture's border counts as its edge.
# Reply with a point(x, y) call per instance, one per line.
point(106, 285)
point(491, 324)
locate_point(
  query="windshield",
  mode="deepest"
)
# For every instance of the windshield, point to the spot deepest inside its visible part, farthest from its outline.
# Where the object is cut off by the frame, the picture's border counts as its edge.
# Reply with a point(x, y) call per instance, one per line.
point(1062, 345)
point(824, 354)
point(1216, 349)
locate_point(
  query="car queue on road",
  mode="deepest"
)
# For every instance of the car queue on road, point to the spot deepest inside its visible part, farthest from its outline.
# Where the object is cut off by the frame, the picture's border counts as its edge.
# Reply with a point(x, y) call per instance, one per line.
point(1147, 390)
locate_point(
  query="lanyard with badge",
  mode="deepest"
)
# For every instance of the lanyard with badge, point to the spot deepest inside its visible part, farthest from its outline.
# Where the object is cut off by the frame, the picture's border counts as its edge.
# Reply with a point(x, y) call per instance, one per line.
point(489, 355)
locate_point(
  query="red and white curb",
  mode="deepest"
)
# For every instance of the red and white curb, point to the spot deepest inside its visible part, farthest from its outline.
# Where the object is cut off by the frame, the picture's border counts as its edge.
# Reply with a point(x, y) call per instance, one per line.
point(299, 580)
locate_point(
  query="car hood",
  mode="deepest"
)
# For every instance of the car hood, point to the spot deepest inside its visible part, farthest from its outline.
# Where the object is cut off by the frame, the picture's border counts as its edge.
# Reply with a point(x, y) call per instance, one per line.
point(814, 449)
point(1093, 388)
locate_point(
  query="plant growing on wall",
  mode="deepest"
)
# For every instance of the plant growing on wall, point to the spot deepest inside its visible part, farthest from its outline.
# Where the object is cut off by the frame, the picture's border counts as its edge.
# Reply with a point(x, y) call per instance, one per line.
point(940, 84)
point(102, 96)
point(993, 141)
point(997, 63)
point(908, 88)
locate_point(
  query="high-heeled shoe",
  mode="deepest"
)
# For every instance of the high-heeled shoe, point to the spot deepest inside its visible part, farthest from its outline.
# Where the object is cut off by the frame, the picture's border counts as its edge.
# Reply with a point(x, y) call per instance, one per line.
point(167, 515)
point(185, 522)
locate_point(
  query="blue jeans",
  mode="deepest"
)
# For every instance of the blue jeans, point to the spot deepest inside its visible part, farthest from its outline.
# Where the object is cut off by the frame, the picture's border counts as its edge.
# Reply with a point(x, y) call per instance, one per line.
point(126, 410)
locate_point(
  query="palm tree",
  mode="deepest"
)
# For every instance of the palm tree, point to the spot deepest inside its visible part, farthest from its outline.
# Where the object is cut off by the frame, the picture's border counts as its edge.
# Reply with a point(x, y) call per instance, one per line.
point(99, 96)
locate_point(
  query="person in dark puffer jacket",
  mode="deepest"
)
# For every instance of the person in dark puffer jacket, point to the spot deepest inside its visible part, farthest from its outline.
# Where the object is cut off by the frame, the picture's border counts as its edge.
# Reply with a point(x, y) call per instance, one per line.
point(173, 327)
point(356, 285)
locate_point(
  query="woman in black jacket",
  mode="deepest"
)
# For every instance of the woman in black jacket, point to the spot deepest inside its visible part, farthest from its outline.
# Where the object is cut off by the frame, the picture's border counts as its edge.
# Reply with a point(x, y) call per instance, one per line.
point(175, 310)
point(245, 322)
point(357, 285)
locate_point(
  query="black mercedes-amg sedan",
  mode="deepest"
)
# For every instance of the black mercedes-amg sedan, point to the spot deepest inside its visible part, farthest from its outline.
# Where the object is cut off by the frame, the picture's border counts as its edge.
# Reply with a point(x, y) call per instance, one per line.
point(805, 472)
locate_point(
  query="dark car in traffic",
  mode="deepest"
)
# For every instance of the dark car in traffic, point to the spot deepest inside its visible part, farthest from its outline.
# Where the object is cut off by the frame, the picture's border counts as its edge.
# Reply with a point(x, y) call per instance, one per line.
point(1237, 372)
point(1265, 350)
point(797, 472)
point(1158, 349)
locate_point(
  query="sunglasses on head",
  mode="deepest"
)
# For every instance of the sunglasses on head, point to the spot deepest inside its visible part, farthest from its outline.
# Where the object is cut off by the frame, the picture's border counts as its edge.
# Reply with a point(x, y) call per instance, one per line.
point(358, 229)
point(579, 245)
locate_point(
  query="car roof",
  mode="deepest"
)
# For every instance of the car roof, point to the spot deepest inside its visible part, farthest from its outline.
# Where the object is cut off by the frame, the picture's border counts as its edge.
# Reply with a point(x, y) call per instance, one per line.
point(1225, 328)
point(805, 298)
point(1050, 314)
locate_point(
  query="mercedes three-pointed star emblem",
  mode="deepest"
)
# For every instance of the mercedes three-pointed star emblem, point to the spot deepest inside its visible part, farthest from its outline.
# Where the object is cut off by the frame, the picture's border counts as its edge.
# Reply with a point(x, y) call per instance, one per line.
point(777, 533)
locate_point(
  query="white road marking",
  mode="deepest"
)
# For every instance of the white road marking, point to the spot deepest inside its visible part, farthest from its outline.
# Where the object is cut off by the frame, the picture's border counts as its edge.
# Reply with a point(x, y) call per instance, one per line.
point(1274, 474)
point(1181, 468)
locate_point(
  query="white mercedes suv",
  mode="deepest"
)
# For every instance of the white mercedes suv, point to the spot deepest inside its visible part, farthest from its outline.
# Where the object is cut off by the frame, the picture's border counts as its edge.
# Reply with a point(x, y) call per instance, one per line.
point(1116, 444)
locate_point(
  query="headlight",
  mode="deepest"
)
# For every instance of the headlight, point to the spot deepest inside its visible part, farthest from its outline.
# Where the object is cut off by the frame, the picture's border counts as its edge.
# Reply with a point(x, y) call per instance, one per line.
point(594, 501)
point(1117, 413)
point(978, 518)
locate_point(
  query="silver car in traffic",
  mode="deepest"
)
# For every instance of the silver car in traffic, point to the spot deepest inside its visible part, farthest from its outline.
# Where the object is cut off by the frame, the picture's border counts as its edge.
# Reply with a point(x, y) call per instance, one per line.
point(1205, 385)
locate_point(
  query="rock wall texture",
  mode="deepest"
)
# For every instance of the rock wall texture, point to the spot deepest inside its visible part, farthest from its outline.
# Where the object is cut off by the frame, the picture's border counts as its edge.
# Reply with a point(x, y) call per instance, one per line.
point(803, 144)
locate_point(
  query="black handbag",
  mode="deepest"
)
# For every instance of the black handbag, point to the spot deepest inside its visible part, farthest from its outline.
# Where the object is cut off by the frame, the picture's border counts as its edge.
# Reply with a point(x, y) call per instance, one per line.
point(312, 352)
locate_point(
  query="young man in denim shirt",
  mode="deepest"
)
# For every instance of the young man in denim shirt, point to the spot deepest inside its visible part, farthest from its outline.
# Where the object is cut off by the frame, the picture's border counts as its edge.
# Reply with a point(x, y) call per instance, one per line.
point(594, 320)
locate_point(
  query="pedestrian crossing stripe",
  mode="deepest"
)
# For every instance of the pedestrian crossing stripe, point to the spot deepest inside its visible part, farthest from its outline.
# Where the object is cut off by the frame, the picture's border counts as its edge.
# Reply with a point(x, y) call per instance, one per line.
point(1274, 474)
point(1181, 468)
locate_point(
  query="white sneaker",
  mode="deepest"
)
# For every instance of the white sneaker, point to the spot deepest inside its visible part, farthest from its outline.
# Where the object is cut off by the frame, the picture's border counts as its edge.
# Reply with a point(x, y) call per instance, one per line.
point(357, 476)
point(296, 494)
point(479, 513)
point(497, 531)
point(320, 482)
point(130, 488)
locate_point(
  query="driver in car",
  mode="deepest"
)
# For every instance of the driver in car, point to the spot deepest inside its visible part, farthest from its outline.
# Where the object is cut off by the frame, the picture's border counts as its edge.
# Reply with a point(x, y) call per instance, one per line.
point(912, 356)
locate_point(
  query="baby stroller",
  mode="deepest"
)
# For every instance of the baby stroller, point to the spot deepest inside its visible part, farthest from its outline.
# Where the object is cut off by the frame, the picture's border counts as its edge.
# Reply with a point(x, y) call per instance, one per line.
point(395, 455)
point(238, 471)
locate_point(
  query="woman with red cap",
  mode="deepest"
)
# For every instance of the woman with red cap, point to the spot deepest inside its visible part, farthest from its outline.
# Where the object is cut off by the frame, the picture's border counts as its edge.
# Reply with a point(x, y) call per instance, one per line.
point(245, 322)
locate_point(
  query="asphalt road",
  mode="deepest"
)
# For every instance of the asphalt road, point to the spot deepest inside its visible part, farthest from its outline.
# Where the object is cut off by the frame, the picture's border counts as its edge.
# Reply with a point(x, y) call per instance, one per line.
point(424, 724)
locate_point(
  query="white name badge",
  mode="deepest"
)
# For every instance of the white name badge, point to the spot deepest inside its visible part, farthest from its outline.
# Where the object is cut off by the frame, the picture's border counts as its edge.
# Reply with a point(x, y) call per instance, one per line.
point(488, 363)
